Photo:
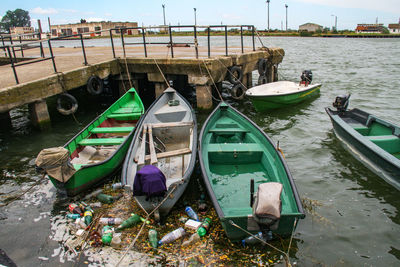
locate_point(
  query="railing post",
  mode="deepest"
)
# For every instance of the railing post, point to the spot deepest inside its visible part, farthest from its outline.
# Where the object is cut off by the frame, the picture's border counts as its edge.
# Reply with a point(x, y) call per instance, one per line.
point(12, 65)
point(12, 47)
point(195, 42)
point(226, 40)
point(21, 48)
point(112, 43)
point(144, 42)
point(52, 56)
point(5, 50)
point(208, 42)
point(83, 50)
point(254, 43)
point(123, 42)
point(41, 46)
point(241, 38)
point(170, 42)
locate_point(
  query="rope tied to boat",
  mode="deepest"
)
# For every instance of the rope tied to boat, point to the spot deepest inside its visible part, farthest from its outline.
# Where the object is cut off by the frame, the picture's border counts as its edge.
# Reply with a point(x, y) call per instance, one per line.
point(162, 74)
point(263, 241)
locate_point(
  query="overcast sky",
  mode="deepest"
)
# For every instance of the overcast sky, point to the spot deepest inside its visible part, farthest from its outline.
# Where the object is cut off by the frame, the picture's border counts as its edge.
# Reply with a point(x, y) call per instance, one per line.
point(233, 12)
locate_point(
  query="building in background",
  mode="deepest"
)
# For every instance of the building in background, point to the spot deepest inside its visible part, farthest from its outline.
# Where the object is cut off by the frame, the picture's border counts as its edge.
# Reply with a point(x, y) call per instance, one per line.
point(93, 28)
point(394, 28)
point(370, 28)
point(310, 27)
point(23, 30)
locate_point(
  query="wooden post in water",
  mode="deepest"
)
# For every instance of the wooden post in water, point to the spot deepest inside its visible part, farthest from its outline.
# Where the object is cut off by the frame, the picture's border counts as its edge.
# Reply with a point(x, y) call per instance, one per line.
point(40, 115)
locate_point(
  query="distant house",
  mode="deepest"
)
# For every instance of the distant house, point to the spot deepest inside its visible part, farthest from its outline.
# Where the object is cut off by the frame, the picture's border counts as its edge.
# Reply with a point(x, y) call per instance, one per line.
point(370, 28)
point(93, 28)
point(310, 27)
point(394, 28)
point(21, 31)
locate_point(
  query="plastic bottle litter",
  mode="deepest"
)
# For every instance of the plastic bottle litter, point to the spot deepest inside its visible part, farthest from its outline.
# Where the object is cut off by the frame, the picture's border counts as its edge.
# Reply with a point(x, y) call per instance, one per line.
point(107, 198)
point(93, 194)
point(80, 223)
point(88, 215)
point(205, 225)
point(131, 221)
point(116, 241)
point(73, 216)
point(96, 205)
point(117, 186)
point(73, 208)
point(251, 240)
point(190, 212)
point(172, 236)
point(107, 235)
point(111, 221)
point(192, 239)
point(153, 238)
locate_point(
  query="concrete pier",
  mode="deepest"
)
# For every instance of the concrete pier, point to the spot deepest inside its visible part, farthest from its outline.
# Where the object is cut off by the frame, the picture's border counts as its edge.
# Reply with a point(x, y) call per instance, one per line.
point(38, 80)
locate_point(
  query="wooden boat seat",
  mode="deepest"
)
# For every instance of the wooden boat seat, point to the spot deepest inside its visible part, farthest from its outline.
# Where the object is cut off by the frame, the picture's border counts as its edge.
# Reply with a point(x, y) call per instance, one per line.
point(362, 129)
point(390, 143)
point(112, 130)
point(225, 131)
point(124, 110)
point(125, 116)
point(244, 147)
point(101, 141)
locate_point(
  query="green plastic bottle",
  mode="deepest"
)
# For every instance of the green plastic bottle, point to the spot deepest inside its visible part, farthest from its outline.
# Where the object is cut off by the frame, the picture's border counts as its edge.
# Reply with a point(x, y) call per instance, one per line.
point(153, 238)
point(88, 215)
point(204, 227)
point(131, 221)
point(107, 235)
point(107, 198)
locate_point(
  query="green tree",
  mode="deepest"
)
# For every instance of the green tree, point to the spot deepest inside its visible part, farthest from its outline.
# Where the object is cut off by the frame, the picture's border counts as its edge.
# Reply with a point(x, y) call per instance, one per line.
point(16, 18)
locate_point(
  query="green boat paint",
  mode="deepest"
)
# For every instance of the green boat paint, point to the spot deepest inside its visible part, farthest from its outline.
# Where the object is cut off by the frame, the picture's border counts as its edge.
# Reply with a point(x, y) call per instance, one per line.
point(232, 151)
point(122, 115)
point(280, 94)
point(371, 140)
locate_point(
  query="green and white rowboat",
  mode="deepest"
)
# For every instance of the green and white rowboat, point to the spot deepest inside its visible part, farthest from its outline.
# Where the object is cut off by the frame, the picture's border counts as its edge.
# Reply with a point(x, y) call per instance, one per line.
point(280, 94)
point(98, 150)
point(233, 150)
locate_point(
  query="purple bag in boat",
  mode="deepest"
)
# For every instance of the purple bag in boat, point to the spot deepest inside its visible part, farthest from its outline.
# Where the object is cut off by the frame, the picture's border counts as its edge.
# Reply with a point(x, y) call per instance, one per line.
point(149, 181)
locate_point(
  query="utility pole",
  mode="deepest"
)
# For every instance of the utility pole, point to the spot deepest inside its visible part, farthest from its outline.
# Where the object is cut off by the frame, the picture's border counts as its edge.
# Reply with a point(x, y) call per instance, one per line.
point(163, 6)
point(195, 19)
point(268, 12)
point(335, 22)
point(286, 15)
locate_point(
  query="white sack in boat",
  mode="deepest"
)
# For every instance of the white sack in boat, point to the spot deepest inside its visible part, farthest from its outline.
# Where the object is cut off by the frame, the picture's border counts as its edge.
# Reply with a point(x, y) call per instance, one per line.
point(56, 162)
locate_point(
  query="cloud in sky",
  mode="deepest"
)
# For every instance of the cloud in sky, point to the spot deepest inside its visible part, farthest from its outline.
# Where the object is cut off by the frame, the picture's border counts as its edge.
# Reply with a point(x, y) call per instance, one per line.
point(94, 19)
point(44, 11)
point(391, 6)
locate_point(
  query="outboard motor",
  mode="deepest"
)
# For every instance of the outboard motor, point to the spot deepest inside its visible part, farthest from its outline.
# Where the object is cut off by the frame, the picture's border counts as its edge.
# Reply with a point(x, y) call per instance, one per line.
point(267, 207)
point(341, 103)
point(306, 77)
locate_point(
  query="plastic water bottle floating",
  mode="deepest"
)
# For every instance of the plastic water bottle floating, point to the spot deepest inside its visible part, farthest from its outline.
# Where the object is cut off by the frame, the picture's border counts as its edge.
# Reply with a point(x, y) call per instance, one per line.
point(153, 238)
point(172, 236)
point(190, 212)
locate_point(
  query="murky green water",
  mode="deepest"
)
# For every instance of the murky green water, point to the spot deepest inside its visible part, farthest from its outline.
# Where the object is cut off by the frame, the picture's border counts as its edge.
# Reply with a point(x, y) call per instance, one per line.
point(353, 215)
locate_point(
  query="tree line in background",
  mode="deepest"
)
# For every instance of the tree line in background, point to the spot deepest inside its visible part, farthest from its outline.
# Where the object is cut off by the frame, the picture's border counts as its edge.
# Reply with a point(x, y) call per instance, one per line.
point(16, 18)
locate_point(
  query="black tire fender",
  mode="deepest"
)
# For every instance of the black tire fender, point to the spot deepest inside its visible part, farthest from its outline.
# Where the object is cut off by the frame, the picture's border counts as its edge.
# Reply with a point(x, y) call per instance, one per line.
point(67, 104)
point(238, 91)
point(95, 85)
point(262, 66)
point(235, 75)
point(262, 79)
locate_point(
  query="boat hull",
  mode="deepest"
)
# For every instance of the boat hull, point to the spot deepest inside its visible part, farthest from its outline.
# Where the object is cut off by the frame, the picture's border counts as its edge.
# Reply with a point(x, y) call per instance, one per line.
point(271, 101)
point(230, 158)
point(91, 173)
point(385, 165)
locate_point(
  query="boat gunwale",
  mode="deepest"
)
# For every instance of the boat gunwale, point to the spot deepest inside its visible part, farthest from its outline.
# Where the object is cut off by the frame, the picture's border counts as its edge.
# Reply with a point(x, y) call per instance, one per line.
point(119, 146)
point(309, 88)
point(380, 152)
point(207, 181)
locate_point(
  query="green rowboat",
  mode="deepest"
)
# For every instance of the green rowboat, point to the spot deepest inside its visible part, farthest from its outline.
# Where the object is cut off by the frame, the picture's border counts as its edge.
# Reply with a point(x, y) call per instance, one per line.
point(97, 151)
point(280, 94)
point(233, 150)
point(371, 140)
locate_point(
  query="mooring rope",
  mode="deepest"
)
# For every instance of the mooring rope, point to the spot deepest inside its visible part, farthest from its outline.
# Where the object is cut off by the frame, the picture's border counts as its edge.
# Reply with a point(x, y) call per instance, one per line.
point(263, 241)
point(212, 79)
point(161, 72)
point(127, 71)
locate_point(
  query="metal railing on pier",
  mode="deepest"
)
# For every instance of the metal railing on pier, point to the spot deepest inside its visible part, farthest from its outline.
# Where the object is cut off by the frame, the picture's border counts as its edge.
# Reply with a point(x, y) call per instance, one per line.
point(11, 47)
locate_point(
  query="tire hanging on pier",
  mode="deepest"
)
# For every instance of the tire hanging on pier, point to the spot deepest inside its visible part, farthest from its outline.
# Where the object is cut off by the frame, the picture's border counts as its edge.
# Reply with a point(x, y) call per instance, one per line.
point(235, 75)
point(262, 79)
point(67, 104)
point(262, 66)
point(238, 91)
point(95, 85)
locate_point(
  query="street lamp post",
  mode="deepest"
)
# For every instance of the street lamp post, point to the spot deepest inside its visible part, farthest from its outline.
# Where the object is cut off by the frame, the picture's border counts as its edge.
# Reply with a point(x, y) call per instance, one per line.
point(286, 15)
point(163, 7)
point(195, 19)
point(268, 12)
